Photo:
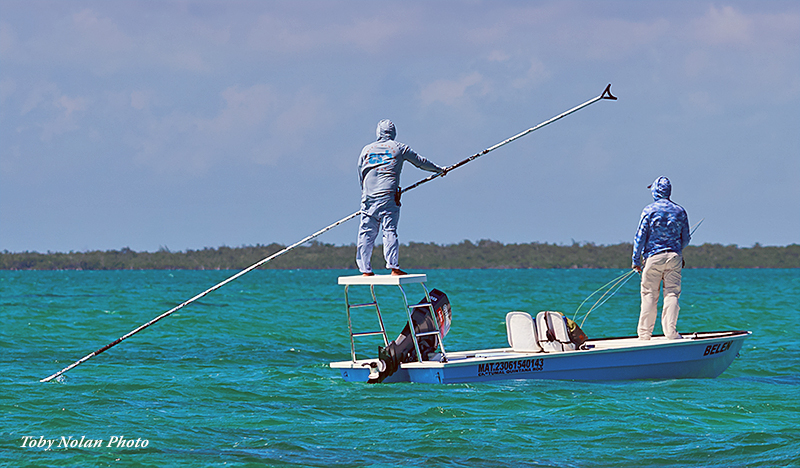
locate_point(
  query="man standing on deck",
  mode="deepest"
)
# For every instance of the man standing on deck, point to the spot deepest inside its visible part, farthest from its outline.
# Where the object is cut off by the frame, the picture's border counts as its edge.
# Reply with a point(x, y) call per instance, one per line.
point(662, 235)
point(379, 167)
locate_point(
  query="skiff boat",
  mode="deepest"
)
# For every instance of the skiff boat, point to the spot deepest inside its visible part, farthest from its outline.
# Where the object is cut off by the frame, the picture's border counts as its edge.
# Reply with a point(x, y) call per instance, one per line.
point(540, 347)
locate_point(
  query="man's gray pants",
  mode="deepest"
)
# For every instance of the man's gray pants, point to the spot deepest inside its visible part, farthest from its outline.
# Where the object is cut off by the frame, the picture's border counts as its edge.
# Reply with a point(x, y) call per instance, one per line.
point(384, 216)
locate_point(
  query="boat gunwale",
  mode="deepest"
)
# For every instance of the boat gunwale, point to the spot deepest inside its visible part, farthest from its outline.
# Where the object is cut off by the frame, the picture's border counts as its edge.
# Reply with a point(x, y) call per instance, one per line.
point(686, 336)
point(471, 357)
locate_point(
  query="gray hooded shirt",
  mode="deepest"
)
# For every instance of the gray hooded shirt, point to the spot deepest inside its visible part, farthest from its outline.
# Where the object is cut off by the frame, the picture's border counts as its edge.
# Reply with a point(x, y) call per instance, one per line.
point(380, 163)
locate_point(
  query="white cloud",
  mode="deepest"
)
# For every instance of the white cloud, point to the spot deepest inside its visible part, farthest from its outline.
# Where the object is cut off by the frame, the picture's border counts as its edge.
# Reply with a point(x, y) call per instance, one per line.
point(498, 56)
point(45, 107)
point(38, 94)
point(99, 31)
point(306, 115)
point(724, 25)
point(274, 33)
point(753, 33)
point(452, 92)
point(244, 108)
point(106, 41)
point(537, 73)
point(70, 104)
point(290, 34)
point(255, 125)
point(186, 142)
point(373, 34)
point(617, 40)
point(734, 53)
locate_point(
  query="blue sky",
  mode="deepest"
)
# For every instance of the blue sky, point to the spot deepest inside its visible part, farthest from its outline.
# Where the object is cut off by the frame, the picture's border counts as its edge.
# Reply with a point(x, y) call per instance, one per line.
point(185, 125)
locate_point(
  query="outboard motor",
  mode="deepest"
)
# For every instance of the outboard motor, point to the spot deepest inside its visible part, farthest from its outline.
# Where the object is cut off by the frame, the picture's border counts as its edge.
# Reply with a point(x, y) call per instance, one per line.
point(402, 348)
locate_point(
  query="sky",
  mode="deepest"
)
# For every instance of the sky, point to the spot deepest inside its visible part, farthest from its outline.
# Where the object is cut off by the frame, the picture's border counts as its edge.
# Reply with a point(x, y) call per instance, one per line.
point(191, 124)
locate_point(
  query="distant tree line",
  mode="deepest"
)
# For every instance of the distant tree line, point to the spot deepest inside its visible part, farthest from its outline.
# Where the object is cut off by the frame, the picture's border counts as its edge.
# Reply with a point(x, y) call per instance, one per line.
point(484, 254)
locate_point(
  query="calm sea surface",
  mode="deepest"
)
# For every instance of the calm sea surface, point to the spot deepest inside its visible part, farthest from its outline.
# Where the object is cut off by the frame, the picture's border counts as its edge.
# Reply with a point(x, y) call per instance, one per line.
point(241, 377)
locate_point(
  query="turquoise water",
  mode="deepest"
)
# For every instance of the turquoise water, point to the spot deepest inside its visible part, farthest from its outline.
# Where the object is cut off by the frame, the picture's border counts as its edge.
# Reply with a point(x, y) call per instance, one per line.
point(241, 377)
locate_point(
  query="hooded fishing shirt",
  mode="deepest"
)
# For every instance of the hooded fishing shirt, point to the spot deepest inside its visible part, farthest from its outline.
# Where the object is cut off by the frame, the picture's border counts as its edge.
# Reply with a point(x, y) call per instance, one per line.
point(380, 163)
point(663, 227)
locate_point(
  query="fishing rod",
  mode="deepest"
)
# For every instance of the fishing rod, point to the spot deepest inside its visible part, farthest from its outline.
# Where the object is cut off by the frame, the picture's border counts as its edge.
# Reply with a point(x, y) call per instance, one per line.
point(605, 95)
point(696, 226)
point(618, 283)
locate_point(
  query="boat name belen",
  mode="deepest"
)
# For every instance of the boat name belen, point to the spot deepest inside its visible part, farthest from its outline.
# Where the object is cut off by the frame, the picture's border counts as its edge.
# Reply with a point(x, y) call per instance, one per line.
point(83, 442)
point(510, 367)
point(717, 348)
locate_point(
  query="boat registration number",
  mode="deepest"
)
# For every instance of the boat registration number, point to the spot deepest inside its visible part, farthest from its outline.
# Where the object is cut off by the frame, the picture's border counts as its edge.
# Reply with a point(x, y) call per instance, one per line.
point(717, 348)
point(510, 367)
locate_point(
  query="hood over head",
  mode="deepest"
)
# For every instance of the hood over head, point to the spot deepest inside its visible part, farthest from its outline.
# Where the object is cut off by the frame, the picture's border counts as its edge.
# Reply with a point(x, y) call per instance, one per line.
point(661, 188)
point(385, 130)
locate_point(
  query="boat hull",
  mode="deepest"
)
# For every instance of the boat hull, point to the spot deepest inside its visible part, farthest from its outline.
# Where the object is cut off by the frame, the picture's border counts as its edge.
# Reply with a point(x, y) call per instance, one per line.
point(701, 355)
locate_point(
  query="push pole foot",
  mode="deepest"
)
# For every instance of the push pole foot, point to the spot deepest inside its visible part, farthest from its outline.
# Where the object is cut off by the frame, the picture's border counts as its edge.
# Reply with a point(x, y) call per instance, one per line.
point(607, 93)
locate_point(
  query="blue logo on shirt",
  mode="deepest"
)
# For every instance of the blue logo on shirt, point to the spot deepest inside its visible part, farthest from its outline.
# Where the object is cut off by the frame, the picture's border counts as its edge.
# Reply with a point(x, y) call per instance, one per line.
point(379, 158)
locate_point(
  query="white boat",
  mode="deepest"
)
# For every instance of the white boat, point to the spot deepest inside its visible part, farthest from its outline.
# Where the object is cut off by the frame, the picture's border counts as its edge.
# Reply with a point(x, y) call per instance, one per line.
point(539, 348)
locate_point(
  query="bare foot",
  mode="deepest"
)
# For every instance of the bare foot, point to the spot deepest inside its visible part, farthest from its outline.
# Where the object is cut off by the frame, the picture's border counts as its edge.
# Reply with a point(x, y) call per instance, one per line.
point(398, 272)
point(368, 274)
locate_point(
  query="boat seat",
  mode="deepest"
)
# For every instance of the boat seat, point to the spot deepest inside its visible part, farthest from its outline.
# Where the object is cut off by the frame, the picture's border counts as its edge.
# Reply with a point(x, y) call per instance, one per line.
point(521, 331)
point(552, 331)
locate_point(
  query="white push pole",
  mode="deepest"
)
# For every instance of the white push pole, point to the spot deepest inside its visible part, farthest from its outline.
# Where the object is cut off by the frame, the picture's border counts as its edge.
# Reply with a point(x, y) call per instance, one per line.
point(605, 95)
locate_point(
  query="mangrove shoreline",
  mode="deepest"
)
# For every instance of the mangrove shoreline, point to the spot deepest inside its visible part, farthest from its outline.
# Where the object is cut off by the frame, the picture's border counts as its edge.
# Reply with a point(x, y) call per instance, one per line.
point(484, 254)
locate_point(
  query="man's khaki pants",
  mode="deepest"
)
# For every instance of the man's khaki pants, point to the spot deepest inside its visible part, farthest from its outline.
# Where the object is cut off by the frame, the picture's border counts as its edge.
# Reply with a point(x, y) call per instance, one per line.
point(664, 267)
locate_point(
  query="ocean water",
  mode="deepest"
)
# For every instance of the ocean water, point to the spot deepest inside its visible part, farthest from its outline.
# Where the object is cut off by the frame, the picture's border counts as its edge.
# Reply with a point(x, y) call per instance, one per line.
point(241, 377)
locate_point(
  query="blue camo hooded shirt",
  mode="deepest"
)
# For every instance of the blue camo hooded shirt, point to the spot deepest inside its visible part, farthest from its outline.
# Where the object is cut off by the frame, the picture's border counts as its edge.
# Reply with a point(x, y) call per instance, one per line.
point(380, 164)
point(664, 225)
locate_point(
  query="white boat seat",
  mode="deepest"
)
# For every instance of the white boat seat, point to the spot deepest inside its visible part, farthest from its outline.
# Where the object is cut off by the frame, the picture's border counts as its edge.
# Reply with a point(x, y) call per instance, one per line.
point(552, 332)
point(521, 331)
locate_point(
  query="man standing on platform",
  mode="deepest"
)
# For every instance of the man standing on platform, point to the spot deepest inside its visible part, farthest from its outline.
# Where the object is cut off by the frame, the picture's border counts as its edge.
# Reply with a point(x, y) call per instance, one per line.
point(379, 167)
point(662, 235)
